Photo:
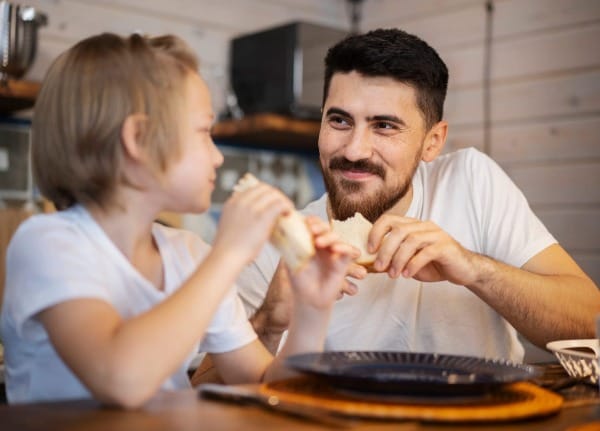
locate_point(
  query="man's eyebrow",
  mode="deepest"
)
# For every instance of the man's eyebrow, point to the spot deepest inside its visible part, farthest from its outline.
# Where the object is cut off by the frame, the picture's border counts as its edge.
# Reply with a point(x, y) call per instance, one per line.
point(390, 118)
point(338, 111)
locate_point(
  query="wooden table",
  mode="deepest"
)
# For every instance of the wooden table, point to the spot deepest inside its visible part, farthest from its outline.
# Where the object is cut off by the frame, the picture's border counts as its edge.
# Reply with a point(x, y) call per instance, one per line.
point(185, 411)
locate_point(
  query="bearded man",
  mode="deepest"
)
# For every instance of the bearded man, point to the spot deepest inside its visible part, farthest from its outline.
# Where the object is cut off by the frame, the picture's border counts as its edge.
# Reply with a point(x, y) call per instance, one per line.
point(463, 264)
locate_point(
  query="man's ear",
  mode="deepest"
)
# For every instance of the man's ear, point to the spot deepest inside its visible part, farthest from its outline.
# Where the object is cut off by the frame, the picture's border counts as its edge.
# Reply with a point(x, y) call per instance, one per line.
point(131, 133)
point(434, 142)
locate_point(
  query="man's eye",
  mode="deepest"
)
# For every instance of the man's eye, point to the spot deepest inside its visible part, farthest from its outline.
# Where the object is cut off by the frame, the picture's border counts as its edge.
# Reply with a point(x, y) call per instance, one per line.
point(338, 121)
point(384, 125)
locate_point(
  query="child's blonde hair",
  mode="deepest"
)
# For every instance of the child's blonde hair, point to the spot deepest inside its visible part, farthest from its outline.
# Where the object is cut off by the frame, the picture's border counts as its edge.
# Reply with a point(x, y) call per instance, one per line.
point(86, 96)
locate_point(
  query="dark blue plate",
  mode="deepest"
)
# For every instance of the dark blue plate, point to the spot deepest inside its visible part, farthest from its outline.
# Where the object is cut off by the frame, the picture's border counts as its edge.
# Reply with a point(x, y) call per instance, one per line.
point(409, 373)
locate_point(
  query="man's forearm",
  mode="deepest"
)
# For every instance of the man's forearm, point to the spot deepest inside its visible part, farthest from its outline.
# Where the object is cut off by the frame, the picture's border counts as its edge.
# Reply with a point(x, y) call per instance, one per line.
point(267, 334)
point(543, 306)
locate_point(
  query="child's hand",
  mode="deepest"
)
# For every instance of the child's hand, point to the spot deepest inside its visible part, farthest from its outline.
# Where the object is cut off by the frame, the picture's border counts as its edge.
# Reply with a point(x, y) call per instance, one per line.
point(323, 279)
point(247, 220)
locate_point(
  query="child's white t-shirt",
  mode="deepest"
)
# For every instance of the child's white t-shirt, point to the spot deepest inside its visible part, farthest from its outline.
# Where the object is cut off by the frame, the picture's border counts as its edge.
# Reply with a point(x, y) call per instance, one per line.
point(57, 257)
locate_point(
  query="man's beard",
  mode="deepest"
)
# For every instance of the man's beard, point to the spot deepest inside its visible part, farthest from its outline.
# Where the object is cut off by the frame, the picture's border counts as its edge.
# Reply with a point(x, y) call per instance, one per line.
point(370, 206)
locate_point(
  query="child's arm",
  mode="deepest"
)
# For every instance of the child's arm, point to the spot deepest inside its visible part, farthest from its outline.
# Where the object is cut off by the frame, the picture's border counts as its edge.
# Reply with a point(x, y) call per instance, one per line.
point(125, 361)
point(315, 288)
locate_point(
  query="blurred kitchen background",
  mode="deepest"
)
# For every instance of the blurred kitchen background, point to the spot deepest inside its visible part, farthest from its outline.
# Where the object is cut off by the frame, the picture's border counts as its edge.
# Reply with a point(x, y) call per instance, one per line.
point(524, 87)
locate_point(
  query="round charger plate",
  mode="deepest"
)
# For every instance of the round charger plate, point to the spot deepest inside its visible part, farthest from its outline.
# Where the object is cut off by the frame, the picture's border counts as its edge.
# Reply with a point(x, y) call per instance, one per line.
point(516, 401)
point(410, 374)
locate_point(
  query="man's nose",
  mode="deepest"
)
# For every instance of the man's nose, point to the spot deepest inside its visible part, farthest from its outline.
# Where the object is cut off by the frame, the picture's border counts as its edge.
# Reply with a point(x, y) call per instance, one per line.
point(359, 145)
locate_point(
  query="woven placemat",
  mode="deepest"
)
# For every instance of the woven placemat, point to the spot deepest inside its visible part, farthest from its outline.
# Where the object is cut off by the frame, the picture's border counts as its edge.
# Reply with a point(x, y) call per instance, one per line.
point(512, 402)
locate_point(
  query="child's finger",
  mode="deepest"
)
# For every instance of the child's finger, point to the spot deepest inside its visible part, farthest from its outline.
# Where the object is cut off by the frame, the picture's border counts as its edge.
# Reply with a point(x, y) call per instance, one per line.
point(326, 239)
point(316, 225)
point(345, 249)
point(349, 288)
point(357, 271)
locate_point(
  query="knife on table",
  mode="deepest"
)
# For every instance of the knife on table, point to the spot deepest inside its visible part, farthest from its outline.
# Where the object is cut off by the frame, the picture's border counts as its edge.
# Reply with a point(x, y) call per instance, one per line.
point(243, 395)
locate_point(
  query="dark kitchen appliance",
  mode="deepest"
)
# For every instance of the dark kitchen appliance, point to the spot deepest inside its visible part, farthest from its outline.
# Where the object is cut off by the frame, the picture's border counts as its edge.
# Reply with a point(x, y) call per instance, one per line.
point(280, 70)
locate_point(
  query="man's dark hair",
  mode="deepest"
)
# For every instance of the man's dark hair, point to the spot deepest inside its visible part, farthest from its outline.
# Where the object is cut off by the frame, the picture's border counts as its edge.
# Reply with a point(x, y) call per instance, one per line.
point(396, 54)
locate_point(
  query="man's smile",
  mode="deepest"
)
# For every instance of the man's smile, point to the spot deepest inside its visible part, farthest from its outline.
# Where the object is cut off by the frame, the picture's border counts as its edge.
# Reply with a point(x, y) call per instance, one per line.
point(357, 175)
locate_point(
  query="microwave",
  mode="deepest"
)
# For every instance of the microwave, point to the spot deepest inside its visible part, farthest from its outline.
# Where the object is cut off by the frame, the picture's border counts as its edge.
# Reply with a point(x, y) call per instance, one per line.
point(280, 70)
point(16, 179)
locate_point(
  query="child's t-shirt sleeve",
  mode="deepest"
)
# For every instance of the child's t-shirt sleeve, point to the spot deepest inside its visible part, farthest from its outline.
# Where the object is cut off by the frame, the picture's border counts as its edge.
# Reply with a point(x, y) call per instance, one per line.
point(229, 329)
point(38, 277)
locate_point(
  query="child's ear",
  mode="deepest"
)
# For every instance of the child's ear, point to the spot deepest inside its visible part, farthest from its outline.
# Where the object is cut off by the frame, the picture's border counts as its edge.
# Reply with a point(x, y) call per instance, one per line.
point(131, 132)
point(435, 140)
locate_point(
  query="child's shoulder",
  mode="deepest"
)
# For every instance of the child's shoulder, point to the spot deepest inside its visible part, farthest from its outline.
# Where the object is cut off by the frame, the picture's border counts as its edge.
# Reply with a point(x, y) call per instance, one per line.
point(45, 236)
point(38, 224)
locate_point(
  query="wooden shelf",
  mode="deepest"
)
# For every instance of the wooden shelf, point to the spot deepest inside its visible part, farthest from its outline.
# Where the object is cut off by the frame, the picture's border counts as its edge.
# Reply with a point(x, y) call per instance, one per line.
point(16, 95)
point(271, 131)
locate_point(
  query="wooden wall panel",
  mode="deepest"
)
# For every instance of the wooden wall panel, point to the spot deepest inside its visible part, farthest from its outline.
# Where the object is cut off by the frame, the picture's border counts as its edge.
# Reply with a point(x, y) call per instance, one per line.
point(558, 184)
point(454, 27)
point(463, 137)
point(553, 140)
point(590, 263)
point(380, 13)
point(571, 49)
point(572, 95)
point(235, 16)
point(514, 17)
point(464, 107)
point(49, 47)
point(562, 223)
point(534, 57)
point(465, 66)
point(73, 20)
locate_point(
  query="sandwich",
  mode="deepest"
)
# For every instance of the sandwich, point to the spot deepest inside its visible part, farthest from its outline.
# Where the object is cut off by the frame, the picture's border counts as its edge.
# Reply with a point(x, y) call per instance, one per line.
point(355, 231)
point(290, 235)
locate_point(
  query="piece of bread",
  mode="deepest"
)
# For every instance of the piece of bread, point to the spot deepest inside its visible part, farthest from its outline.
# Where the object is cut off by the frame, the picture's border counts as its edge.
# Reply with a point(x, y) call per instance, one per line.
point(355, 231)
point(290, 236)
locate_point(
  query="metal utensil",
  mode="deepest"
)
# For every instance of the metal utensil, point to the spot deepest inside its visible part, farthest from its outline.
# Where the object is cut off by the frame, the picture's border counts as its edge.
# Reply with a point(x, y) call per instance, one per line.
point(243, 395)
point(18, 38)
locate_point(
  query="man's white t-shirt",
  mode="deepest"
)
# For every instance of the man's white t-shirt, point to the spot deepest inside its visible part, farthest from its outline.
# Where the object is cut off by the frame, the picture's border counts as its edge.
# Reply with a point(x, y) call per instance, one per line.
point(57, 257)
point(473, 200)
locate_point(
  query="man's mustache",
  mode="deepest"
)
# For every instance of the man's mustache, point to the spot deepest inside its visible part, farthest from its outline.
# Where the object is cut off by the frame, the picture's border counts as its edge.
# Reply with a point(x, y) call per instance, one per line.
point(363, 165)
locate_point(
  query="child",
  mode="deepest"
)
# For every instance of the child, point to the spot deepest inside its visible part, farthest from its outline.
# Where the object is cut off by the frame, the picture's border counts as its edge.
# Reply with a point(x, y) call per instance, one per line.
point(101, 301)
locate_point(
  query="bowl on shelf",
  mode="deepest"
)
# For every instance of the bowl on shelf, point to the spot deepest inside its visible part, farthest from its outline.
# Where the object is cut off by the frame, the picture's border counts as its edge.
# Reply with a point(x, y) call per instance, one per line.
point(578, 357)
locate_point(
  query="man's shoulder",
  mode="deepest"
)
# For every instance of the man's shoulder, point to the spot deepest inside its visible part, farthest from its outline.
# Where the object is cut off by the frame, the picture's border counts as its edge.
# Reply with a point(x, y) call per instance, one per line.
point(469, 162)
point(462, 156)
